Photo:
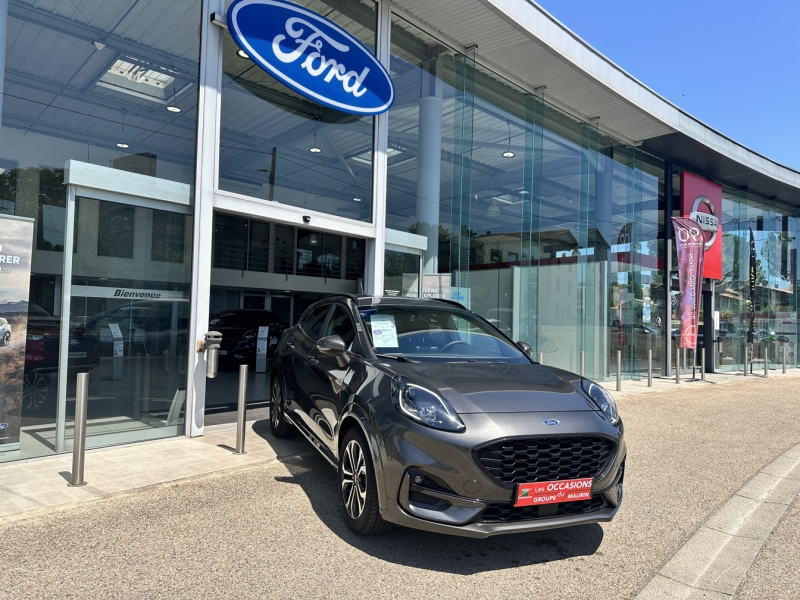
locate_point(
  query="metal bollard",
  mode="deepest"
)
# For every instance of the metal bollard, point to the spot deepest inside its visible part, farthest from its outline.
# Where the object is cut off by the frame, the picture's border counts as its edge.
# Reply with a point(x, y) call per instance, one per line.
point(702, 364)
point(79, 440)
point(784, 360)
point(745, 361)
point(583, 364)
point(540, 358)
point(650, 368)
point(677, 365)
point(619, 370)
point(241, 413)
point(766, 360)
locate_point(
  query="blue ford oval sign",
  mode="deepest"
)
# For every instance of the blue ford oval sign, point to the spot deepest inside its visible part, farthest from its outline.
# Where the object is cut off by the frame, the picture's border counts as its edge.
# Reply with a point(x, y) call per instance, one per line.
point(551, 422)
point(312, 55)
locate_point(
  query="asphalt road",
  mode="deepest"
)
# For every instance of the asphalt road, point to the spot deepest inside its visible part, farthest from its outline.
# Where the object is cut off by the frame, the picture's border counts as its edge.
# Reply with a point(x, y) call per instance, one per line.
point(274, 530)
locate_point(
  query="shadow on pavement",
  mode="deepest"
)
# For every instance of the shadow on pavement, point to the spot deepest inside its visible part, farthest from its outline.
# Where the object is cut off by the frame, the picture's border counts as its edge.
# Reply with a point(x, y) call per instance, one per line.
point(437, 552)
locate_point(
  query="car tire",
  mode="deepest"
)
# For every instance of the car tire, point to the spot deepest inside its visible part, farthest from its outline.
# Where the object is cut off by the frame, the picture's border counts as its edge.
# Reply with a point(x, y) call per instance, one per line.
point(6, 338)
point(358, 486)
point(281, 428)
point(35, 389)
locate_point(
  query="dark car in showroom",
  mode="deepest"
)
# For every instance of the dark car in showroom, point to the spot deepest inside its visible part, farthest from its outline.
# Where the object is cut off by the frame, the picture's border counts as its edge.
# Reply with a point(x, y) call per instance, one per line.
point(42, 350)
point(239, 329)
point(436, 420)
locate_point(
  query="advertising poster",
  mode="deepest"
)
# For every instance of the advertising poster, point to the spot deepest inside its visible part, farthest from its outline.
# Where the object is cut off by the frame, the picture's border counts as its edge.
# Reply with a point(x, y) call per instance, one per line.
point(16, 237)
point(751, 300)
point(691, 250)
point(701, 201)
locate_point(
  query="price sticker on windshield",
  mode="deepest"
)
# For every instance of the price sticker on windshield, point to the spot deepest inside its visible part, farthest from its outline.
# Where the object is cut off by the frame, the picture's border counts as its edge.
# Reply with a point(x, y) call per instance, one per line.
point(552, 492)
point(384, 331)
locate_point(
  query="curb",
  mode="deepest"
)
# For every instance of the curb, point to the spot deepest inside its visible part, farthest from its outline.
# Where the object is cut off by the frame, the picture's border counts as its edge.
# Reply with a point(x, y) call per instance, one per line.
point(714, 561)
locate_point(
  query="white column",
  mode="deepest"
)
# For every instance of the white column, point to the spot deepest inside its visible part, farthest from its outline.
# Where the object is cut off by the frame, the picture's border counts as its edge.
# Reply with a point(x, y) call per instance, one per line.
point(207, 149)
point(429, 160)
point(374, 268)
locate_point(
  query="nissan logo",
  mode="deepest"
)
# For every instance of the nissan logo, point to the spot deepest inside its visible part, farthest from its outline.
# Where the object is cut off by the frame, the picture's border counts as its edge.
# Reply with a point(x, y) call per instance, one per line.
point(708, 221)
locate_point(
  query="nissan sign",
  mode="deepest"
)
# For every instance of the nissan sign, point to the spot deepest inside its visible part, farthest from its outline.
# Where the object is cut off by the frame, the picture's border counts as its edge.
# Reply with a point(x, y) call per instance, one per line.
point(312, 55)
point(701, 201)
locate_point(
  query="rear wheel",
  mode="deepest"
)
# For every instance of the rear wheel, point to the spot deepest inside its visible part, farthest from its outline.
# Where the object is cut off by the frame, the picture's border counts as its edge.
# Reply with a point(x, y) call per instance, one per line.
point(358, 486)
point(281, 428)
point(35, 389)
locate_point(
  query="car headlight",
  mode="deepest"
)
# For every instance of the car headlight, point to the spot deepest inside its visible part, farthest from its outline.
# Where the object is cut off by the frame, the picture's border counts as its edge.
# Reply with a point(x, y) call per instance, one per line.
point(603, 399)
point(34, 337)
point(425, 407)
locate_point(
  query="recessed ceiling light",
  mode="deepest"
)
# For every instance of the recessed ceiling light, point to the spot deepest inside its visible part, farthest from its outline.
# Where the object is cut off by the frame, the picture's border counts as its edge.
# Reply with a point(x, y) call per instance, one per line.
point(242, 54)
point(315, 149)
point(122, 145)
point(174, 109)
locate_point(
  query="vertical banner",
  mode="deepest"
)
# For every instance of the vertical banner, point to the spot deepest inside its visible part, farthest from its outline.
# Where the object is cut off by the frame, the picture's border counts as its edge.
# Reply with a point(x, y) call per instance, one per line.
point(751, 301)
point(690, 245)
point(16, 238)
point(701, 201)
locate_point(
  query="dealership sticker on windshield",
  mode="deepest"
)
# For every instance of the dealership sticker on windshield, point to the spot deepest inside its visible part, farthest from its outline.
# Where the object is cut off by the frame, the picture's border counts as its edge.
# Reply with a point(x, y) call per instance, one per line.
point(384, 331)
point(552, 492)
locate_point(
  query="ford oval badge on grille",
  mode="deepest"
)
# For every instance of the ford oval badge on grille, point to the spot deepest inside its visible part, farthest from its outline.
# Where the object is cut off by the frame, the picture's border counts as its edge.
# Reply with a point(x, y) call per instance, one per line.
point(551, 422)
point(312, 55)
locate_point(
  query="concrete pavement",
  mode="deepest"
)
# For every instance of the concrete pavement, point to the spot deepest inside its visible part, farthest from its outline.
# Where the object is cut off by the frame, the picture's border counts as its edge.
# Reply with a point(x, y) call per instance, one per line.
point(273, 529)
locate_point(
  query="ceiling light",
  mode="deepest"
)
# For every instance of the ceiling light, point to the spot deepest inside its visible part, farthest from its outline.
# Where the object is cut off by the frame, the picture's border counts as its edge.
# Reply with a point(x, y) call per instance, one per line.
point(242, 54)
point(508, 153)
point(174, 109)
point(356, 199)
point(122, 145)
point(315, 149)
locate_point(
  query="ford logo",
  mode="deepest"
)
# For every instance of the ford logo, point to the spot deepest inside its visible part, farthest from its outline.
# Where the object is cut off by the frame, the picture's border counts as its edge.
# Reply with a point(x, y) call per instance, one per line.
point(3, 425)
point(551, 422)
point(312, 55)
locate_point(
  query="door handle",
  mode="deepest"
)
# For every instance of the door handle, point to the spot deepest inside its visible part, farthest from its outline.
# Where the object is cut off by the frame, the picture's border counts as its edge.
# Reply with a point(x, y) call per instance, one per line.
point(313, 359)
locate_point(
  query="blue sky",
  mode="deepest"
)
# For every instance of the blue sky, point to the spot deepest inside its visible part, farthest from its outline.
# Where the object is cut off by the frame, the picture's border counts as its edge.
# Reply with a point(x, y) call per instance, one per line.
point(733, 64)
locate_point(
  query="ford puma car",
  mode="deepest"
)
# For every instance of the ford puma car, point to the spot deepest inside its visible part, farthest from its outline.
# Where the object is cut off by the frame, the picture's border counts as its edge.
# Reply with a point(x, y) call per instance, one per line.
point(436, 420)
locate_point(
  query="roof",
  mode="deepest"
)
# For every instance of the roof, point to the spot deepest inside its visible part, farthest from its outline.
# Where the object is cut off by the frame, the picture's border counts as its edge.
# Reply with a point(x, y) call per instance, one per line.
point(523, 42)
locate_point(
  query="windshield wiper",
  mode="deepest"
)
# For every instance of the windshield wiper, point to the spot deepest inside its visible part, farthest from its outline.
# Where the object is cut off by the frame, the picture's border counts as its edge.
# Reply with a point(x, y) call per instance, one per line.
point(397, 357)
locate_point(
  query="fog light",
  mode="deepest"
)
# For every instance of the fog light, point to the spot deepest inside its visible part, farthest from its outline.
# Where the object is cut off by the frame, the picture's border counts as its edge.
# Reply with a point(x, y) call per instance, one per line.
point(418, 479)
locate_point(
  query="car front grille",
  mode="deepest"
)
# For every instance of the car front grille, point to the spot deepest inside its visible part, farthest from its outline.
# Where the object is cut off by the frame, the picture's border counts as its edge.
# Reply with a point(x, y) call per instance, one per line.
point(530, 460)
point(84, 344)
point(507, 512)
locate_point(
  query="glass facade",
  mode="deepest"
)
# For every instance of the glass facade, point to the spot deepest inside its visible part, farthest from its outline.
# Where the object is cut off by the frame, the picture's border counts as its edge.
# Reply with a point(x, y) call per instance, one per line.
point(111, 87)
point(540, 222)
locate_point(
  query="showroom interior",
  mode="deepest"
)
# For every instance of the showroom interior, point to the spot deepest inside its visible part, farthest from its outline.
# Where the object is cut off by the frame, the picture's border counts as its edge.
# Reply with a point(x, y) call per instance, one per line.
point(173, 184)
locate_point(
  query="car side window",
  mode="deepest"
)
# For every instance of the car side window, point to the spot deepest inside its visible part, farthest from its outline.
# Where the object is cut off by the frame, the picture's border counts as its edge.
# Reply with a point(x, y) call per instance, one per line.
point(341, 324)
point(312, 325)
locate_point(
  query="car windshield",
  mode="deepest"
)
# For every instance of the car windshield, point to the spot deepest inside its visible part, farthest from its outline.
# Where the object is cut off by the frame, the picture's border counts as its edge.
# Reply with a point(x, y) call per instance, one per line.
point(434, 334)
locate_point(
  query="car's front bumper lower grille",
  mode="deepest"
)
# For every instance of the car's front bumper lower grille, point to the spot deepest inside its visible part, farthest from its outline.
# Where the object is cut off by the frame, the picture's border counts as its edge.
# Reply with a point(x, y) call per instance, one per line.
point(535, 459)
point(508, 513)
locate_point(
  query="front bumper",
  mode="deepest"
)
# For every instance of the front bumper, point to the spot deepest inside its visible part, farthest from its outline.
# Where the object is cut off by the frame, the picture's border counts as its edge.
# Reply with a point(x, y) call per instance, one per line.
point(442, 488)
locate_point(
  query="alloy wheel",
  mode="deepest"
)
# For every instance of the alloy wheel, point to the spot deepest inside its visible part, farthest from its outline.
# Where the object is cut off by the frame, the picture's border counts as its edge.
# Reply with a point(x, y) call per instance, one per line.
point(34, 390)
point(6, 338)
point(354, 479)
point(276, 410)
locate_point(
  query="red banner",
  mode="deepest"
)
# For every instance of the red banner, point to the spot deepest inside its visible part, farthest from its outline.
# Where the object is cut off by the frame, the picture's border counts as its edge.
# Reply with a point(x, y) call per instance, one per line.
point(701, 201)
point(690, 245)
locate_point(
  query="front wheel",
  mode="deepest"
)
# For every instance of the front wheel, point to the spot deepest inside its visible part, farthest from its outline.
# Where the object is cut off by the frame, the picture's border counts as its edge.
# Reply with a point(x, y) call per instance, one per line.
point(281, 428)
point(358, 487)
point(6, 338)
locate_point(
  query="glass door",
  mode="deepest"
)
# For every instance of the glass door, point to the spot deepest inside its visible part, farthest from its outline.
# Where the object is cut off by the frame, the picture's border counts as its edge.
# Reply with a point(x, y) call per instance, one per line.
point(402, 272)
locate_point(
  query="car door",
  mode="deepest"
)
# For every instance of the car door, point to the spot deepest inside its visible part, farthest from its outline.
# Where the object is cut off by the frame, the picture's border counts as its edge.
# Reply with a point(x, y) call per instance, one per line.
point(327, 380)
point(300, 344)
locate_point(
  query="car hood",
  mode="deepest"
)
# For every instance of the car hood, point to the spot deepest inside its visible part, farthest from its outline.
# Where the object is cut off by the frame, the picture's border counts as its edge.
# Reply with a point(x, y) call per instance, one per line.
point(498, 388)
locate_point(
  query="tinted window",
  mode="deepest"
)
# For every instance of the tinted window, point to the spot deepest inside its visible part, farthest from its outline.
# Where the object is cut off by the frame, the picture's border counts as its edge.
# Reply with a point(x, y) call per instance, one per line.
point(342, 325)
point(243, 319)
point(312, 324)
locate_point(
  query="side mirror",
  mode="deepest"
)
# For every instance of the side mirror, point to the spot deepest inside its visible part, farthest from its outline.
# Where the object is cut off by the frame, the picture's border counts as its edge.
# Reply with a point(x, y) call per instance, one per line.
point(333, 345)
point(526, 348)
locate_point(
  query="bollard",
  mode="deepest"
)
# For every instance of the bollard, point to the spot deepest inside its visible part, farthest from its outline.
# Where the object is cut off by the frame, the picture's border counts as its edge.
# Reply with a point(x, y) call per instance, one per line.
point(583, 364)
point(783, 354)
point(540, 358)
point(650, 368)
point(677, 366)
point(79, 439)
point(241, 413)
point(766, 360)
point(619, 370)
point(702, 364)
point(745, 361)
